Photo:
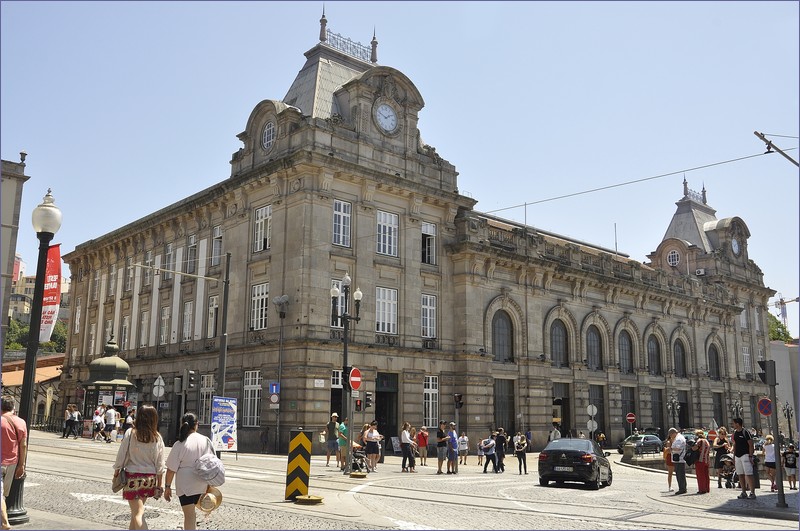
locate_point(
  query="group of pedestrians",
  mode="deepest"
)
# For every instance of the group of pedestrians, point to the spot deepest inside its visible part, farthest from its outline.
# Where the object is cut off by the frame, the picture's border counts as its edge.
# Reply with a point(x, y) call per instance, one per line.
point(494, 449)
point(72, 422)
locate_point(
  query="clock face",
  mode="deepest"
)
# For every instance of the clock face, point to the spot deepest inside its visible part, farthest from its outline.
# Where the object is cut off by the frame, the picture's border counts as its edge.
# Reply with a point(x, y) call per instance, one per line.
point(386, 117)
point(735, 246)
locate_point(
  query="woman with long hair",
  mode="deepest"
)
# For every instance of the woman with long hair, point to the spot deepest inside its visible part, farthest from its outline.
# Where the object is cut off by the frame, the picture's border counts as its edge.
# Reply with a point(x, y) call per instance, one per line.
point(721, 447)
point(141, 454)
point(668, 460)
point(181, 463)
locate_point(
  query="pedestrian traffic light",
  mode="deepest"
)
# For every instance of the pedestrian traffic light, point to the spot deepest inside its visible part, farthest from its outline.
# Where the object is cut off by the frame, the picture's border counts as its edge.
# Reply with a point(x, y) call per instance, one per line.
point(369, 399)
point(189, 380)
point(767, 375)
point(358, 405)
point(459, 400)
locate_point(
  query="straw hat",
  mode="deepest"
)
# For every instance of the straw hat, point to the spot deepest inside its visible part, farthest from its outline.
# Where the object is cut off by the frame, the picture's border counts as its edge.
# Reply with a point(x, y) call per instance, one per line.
point(210, 500)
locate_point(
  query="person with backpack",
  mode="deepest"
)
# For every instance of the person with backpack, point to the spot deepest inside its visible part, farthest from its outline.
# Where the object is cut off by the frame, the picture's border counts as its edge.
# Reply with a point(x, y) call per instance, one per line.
point(182, 466)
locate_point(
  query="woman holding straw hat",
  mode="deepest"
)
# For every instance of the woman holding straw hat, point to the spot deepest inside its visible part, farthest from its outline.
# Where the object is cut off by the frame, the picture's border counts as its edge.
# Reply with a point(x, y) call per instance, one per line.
point(192, 490)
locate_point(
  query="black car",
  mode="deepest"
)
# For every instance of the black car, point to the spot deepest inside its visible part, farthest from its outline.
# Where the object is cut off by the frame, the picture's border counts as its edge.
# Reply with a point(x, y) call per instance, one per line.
point(645, 444)
point(579, 460)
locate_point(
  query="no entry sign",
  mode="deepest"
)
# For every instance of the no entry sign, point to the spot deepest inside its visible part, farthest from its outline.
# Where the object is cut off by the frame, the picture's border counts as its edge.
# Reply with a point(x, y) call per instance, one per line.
point(630, 417)
point(355, 379)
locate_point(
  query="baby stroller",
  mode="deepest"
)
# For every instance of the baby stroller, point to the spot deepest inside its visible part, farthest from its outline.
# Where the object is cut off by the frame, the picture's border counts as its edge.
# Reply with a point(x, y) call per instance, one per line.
point(359, 459)
point(729, 471)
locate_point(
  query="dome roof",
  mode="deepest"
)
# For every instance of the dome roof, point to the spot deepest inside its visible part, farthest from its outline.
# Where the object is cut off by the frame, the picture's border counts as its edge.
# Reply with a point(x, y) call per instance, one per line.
point(110, 369)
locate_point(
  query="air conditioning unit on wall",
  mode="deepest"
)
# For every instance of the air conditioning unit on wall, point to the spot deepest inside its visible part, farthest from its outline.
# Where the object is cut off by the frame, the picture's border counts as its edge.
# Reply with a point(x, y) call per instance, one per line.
point(699, 272)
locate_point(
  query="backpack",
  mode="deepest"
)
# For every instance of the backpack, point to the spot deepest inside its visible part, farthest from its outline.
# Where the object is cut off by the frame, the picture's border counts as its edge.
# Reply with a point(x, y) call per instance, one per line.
point(209, 468)
point(691, 456)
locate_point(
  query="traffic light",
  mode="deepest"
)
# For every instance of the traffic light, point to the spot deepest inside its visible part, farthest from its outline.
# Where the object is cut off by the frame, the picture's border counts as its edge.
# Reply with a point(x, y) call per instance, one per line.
point(459, 399)
point(189, 380)
point(346, 378)
point(358, 405)
point(767, 374)
point(369, 399)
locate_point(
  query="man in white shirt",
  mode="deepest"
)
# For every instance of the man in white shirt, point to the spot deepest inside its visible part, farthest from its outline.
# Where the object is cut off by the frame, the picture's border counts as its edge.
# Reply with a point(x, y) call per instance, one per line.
point(111, 423)
point(555, 434)
point(678, 454)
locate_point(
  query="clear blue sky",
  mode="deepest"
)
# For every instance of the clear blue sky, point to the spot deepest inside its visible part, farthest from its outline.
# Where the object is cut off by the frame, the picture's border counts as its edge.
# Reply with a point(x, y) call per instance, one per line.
point(125, 108)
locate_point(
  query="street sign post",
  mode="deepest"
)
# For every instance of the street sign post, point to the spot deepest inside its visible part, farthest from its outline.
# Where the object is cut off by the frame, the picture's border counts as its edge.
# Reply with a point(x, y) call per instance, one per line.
point(158, 388)
point(765, 407)
point(631, 418)
point(355, 379)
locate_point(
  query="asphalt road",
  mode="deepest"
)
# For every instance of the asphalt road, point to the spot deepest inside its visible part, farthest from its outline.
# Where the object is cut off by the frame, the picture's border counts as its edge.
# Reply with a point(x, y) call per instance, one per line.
point(69, 487)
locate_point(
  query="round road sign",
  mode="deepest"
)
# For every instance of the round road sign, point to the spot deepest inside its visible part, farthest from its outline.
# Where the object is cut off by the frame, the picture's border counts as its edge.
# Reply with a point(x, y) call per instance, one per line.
point(274, 398)
point(591, 409)
point(591, 425)
point(765, 407)
point(630, 417)
point(355, 379)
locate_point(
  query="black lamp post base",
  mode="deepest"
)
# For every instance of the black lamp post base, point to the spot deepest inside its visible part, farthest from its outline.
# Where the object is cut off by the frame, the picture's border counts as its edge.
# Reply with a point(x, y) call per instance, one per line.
point(16, 508)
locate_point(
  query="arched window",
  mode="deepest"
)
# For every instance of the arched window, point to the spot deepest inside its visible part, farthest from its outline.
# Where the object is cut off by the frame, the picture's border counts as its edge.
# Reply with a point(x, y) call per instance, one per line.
point(625, 353)
point(654, 356)
point(502, 337)
point(680, 360)
point(713, 363)
point(594, 349)
point(559, 349)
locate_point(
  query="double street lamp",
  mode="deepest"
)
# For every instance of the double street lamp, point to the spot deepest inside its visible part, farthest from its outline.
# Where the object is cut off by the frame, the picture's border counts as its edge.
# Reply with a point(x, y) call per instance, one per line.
point(673, 407)
point(346, 318)
point(46, 220)
point(788, 411)
point(736, 409)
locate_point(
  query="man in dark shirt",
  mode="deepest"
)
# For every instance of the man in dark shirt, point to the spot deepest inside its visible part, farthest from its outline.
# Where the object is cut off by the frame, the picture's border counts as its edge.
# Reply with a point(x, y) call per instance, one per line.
point(500, 449)
point(441, 445)
point(743, 453)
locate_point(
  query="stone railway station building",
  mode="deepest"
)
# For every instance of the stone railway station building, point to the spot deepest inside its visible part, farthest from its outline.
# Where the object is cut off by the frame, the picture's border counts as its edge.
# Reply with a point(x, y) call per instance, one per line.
point(529, 326)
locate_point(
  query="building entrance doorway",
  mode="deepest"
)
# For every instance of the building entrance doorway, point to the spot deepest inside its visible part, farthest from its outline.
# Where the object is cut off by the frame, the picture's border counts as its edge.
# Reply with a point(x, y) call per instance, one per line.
point(386, 402)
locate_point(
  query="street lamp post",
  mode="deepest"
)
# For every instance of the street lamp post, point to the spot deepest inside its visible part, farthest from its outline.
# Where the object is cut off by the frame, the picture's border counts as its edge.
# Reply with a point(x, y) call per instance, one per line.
point(46, 220)
point(281, 303)
point(736, 409)
point(346, 318)
point(788, 411)
point(673, 407)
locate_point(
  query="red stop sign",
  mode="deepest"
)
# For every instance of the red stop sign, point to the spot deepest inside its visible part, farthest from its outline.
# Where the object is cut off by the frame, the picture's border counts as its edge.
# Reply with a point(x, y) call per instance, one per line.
point(355, 379)
point(630, 417)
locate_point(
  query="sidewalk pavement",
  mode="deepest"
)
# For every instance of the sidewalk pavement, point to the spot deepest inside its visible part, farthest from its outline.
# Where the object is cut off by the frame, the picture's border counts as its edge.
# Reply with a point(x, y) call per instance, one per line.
point(47, 520)
point(725, 500)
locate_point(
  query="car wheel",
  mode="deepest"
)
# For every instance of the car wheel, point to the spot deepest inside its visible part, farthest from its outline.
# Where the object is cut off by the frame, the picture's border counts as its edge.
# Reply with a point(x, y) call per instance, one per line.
point(543, 482)
point(596, 483)
point(610, 479)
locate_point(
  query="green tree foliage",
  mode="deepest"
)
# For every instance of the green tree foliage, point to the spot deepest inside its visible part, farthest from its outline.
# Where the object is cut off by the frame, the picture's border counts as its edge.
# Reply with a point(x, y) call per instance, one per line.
point(17, 337)
point(776, 329)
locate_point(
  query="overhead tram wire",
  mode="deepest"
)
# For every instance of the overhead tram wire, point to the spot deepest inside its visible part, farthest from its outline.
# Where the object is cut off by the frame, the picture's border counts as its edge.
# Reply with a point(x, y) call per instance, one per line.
point(608, 187)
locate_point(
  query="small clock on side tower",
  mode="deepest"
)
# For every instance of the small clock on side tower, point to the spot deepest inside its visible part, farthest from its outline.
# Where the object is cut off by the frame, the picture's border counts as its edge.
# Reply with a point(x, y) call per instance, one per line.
point(386, 118)
point(735, 247)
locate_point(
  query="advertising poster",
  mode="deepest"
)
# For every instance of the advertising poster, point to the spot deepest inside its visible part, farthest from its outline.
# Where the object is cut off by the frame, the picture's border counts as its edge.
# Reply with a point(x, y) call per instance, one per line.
point(51, 298)
point(223, 424)
point(105, 397)
point(119, 397)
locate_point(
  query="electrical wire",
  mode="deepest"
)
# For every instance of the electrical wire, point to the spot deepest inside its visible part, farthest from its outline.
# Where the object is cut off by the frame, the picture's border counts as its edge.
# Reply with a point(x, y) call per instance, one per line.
point(630, 182)
point(779, 136)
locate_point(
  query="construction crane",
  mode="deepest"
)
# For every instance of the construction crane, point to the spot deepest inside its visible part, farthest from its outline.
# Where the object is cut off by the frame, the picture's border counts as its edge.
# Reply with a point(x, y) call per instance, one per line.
point(781, 303)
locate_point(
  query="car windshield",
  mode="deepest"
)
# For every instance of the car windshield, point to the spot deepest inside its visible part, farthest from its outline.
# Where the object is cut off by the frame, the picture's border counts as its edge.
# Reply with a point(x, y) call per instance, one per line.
point(581, 445)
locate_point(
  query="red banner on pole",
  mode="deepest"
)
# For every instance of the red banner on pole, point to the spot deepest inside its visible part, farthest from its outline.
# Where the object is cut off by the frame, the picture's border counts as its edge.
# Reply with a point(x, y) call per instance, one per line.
point(51, 299)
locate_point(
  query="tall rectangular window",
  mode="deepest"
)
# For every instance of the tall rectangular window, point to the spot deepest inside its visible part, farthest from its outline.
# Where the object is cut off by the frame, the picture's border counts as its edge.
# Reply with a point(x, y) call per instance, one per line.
point(128, 274)
point(92, 329)
point(144, 321)
point(386, 310)
point(759, 316)
point(168, 262)
point(188, 312)
point(206, 392)
point(429, 243)
point(657, 408)
point(213, 311)
point(342, 213)
point(336, 379)
point(747, 363)
point(428, 316)
point(430, 401)
point(216, 245)
point(148, 265)
point(123, 336)
point(716, 405)
point(744, 319)
point(77, 328)
point(96, 285)
point(112, 280)
point(628, 400)
point(251, 398)
point(262, 228)
point(339, 304)
point(597, 398)
point(259, 303)
point(109, 329)
point(191, 255)
point(388, 227)
point(163, 335)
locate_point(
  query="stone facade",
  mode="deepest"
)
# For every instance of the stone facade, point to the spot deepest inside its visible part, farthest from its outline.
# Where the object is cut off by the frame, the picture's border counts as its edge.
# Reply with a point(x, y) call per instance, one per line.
point(525, 324)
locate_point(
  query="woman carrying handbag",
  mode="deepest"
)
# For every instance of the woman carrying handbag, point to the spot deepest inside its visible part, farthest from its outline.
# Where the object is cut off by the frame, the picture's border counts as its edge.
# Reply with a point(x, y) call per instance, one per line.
point(189, 486)
point(141, 454)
